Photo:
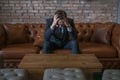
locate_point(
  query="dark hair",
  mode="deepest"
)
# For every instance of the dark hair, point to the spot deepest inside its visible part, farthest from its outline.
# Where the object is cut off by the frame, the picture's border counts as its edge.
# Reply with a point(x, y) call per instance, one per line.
point(61, 13)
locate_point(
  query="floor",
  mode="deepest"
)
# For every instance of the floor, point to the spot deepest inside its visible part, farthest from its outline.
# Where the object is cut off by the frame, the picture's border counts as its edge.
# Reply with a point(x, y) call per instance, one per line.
point(97, 76)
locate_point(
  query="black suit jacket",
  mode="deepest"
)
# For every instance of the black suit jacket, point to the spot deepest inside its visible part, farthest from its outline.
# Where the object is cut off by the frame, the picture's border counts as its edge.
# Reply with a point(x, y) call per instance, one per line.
point(50, 35)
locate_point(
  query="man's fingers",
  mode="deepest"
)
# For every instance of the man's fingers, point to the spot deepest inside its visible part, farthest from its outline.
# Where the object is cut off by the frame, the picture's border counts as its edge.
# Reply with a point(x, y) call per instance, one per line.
point(55, 16)
point(58, 19)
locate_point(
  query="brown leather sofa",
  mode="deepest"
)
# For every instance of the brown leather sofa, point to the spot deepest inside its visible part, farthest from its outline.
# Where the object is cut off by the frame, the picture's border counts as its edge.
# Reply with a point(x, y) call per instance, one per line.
point(101, 39)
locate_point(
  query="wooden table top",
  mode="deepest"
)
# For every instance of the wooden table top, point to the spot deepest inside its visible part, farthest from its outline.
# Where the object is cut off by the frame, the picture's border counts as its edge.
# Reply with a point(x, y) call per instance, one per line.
point(59, 60)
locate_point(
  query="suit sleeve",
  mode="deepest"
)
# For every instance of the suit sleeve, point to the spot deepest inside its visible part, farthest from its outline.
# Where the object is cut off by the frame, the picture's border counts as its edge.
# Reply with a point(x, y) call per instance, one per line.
point(48, 31)
point(73, 32)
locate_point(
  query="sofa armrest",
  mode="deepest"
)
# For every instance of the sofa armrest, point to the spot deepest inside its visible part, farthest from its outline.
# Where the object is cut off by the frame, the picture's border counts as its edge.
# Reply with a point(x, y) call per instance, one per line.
point(116, 38)
point(2, 36)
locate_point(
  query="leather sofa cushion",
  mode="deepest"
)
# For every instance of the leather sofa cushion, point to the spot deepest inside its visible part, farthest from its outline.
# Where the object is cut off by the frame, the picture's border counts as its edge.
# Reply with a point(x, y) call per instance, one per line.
point(30, 31)
point(102, 33)
point(2, 36)
point(36, 34)
point(84, 31)
point(100, 50)
point(62, 51)
point(17, 51)
point(16, 33)
point(39, 35)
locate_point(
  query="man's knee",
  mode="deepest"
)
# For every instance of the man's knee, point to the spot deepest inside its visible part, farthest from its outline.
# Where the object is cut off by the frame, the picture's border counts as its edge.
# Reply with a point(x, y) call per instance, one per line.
point(75, 47)
point(46, 43)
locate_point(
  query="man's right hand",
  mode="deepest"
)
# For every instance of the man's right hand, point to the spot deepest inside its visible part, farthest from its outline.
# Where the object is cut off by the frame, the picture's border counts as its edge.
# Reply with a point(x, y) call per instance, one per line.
point(55, 20)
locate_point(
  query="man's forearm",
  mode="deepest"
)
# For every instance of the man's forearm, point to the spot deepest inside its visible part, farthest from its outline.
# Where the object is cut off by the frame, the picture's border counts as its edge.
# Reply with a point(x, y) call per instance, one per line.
point(48, 34)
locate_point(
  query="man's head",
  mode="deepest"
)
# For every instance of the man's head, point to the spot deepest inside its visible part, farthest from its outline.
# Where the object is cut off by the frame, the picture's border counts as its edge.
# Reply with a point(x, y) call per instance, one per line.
point(61, 14)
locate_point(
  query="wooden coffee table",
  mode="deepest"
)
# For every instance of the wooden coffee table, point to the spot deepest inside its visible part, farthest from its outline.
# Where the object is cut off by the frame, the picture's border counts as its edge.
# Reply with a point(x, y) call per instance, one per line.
point(35, 64)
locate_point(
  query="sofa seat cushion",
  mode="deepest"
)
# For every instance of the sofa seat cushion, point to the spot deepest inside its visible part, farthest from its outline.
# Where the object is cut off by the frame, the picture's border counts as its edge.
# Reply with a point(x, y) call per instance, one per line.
point(18, 50)
point(62, 51)
point(100, 50)
point(59, 51)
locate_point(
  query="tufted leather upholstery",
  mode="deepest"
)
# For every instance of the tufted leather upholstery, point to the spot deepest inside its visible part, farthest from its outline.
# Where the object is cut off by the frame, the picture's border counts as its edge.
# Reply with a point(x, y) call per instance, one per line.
point(16, 33)
point(85, 31)
point(111, 74)
point(64, 74)
point(13, 74)
point(116, 38)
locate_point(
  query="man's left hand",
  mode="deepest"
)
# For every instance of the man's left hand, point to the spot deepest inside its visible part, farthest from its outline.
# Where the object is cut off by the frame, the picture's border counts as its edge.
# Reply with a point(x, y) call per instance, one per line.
point(67, 24)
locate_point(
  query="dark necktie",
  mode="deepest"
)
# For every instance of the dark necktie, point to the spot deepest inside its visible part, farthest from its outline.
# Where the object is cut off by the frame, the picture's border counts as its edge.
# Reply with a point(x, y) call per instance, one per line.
point(60, 32)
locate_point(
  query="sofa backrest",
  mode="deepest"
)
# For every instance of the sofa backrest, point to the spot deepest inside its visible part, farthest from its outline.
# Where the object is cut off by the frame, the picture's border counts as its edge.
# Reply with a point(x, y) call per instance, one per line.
point(15, 33)
point(21, 33)
point(116, 38)
point(36, 33)
point(87, 32)
point(84, 31)
point(95, 32)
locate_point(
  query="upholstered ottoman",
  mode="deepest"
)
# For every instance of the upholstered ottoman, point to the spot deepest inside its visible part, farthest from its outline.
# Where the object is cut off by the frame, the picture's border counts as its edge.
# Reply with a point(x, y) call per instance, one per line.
point(111, 74)
point(13, 74)
point(64, 74)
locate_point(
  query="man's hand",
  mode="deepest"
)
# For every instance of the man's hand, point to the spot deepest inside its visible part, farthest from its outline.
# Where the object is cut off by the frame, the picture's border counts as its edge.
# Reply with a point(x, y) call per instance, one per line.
point(67, 24)
point(55, 20)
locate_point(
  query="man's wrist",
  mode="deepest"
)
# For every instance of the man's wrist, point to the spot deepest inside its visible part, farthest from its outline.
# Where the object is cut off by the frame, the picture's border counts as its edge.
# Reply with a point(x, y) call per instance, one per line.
point(69, 29)
point(52, 27)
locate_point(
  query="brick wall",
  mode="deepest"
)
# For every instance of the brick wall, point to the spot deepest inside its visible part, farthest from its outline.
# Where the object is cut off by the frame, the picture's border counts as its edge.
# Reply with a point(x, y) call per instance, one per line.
point(36, 11)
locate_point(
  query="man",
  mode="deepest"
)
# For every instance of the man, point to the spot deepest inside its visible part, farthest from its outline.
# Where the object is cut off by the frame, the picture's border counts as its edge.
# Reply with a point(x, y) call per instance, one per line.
point(60, 33)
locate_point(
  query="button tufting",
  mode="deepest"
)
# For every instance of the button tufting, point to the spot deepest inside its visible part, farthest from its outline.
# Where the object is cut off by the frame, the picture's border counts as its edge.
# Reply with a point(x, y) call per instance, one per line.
point(64, 74)
point(78, 76)
point(111, 74)
point(13, 74)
